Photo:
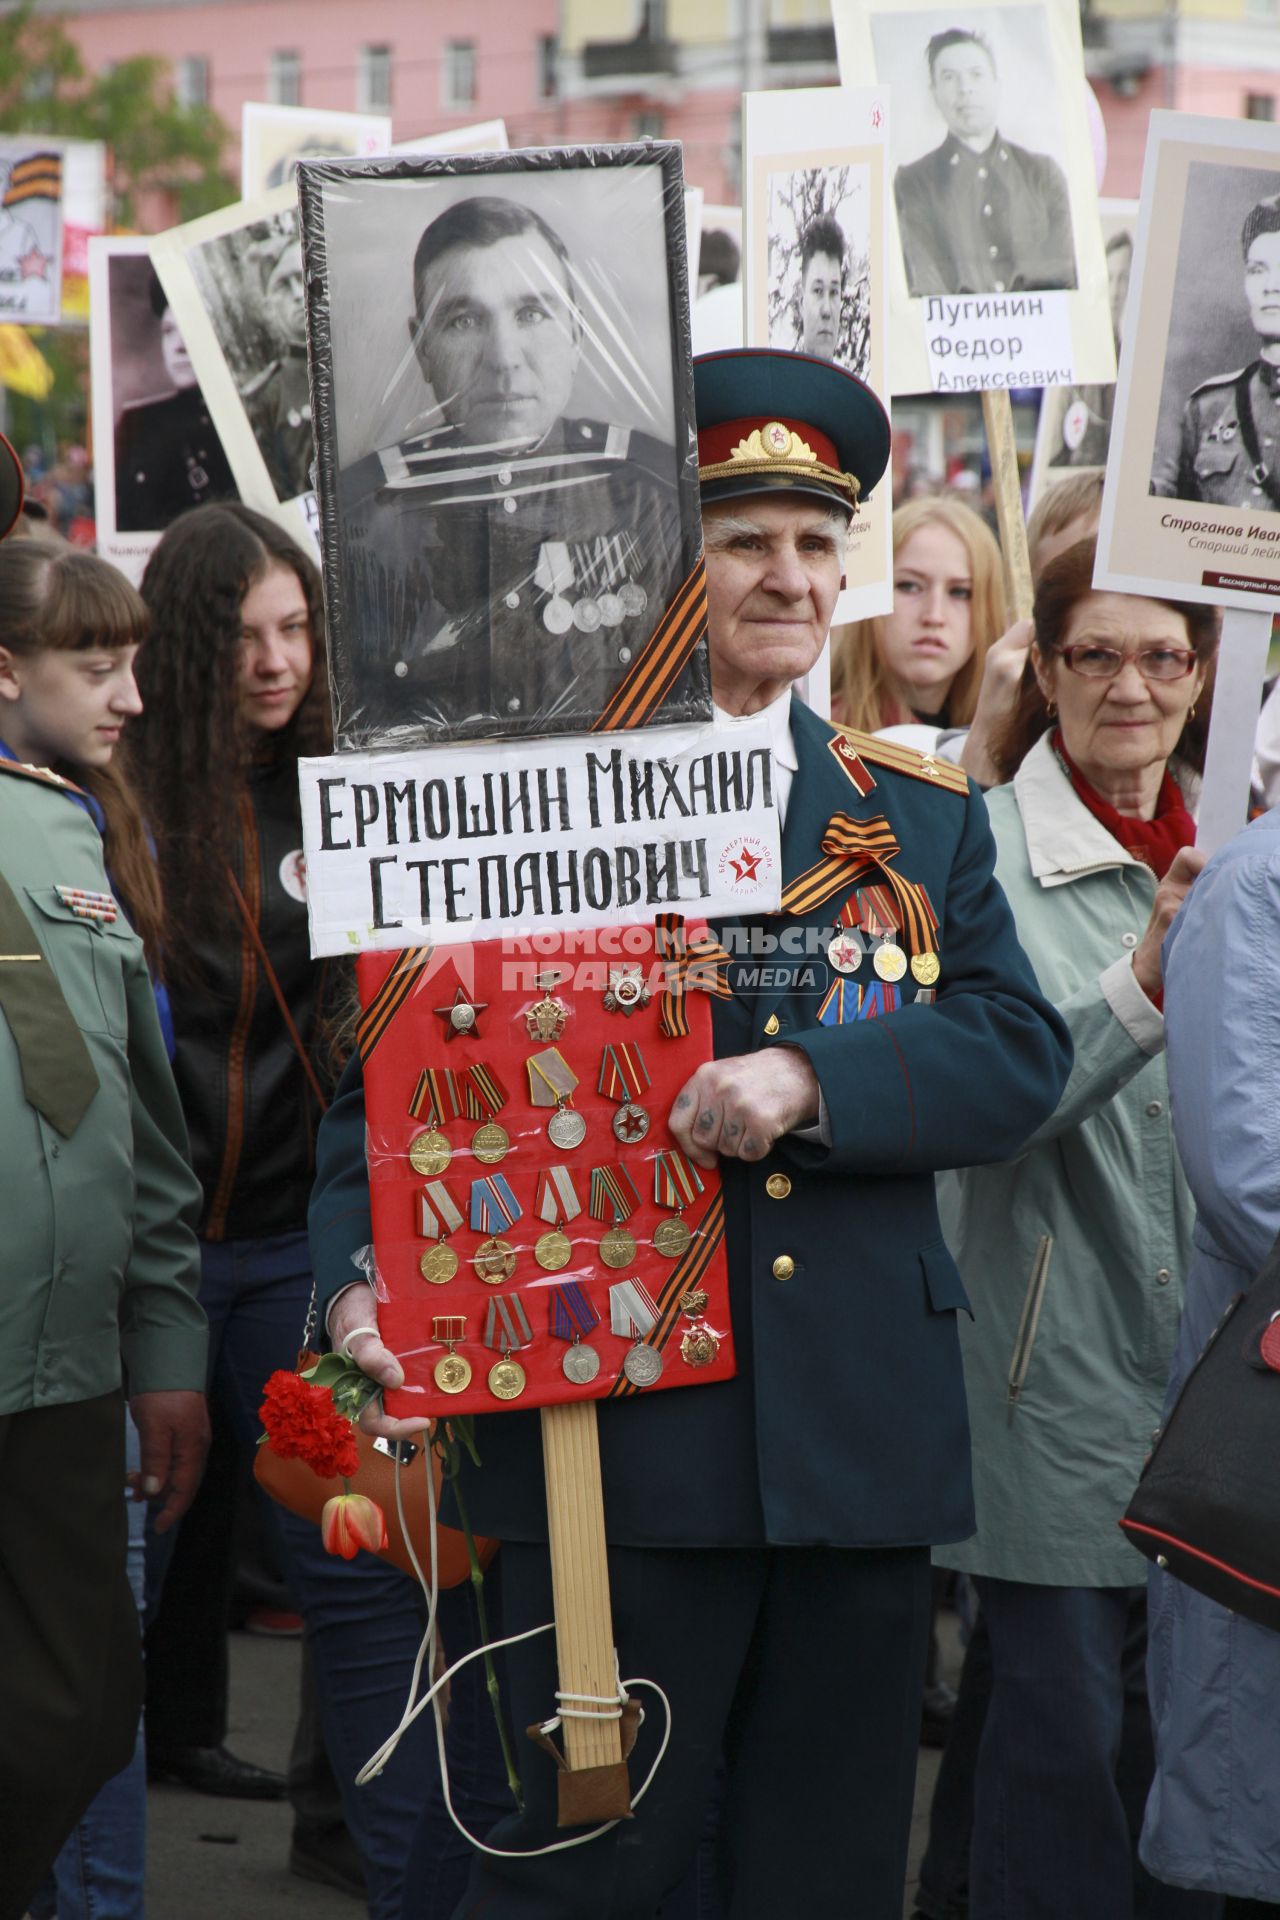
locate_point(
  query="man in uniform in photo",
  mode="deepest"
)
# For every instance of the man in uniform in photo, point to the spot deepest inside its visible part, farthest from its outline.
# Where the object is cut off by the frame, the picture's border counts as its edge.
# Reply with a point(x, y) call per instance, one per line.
point(769, 1535)
point(168, 454)
point(979, 214)
point(278, 400)
point(822, 255)
point(1227, 450)
point(500, 571)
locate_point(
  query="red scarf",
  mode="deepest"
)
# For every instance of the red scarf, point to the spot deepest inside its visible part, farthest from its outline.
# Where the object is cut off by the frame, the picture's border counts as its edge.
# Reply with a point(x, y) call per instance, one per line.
point(1155, 841)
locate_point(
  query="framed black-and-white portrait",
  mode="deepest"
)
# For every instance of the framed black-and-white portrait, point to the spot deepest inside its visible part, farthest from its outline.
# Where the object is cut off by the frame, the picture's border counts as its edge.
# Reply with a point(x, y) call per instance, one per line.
point(994, 202)
point(506, 456)
point(234, 282)
point(1192, 498)
point(157, 451)
point(1074, 428)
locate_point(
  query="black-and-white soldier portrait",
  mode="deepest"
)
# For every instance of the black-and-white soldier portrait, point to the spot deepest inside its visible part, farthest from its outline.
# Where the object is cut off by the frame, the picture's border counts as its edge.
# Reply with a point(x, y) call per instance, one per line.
point(1219, 436)
point(250, 283)
point(168, 456)
point(978, 212)
point(1085, 415)
point(506, 506)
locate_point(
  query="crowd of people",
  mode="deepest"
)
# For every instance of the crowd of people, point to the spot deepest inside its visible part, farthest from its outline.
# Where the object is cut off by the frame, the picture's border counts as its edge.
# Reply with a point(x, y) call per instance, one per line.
point(961, 1222)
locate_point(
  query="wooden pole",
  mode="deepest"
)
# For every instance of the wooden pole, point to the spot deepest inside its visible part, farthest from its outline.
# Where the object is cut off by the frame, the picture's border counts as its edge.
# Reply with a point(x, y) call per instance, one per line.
point(997, 417)
point(580, 1587)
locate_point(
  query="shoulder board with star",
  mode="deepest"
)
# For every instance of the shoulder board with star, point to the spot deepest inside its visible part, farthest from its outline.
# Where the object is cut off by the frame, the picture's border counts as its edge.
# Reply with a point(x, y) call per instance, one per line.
point(43, 776)
point(849, 745)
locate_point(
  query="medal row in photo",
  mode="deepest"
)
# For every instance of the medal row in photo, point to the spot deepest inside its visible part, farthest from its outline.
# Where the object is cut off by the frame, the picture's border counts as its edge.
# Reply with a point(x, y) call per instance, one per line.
point(612, 1199)
point(590, 1346)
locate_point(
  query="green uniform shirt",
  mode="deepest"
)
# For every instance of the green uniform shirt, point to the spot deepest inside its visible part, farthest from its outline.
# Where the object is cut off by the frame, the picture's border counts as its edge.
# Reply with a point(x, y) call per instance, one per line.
point(99, 1264)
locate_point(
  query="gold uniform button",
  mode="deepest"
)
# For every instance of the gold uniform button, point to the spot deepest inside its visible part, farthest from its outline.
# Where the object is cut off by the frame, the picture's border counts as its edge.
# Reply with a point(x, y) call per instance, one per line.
point(772, 1025)
point(777, 1186)
point(783, 1267)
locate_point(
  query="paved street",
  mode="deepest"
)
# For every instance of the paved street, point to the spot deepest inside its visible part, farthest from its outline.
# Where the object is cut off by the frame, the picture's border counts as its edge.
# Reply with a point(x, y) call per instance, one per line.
point(228, 1859)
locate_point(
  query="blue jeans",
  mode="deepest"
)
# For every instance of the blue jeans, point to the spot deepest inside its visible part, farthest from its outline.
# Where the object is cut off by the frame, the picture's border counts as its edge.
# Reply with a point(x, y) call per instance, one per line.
point(100, 1872)
point(363, 1618)
point(1066, 1760)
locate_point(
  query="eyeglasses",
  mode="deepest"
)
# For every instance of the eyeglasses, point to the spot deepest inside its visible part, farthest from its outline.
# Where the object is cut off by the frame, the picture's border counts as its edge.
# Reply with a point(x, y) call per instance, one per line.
point(1104, 663)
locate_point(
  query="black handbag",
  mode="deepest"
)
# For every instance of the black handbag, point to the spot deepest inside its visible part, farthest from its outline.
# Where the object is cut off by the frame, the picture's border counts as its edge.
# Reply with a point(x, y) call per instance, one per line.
point(1207, 1507)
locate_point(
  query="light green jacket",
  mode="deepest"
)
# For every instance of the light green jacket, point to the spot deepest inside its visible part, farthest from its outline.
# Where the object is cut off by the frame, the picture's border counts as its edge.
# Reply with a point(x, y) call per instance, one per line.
point(98, 1257)
point(1102, 1178)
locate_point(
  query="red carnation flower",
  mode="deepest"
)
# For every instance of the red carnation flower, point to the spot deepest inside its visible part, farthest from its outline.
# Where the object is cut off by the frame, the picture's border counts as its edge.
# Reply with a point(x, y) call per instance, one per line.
point(302, 1424)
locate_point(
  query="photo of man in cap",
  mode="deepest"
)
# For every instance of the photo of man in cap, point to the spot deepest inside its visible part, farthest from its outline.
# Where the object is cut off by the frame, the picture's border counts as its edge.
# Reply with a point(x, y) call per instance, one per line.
point(499, 571)
point(769, 1535)
point(980, 214)
point(1227, 449)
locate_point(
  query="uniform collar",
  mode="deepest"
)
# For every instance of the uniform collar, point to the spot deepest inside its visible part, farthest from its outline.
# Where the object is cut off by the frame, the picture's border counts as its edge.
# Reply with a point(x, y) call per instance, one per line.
point(958, 154)
point(1064, 840)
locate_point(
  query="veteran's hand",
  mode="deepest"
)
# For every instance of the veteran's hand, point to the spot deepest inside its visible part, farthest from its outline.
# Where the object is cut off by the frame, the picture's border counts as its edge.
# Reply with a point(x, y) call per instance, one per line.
point(353, 1330)
point(1002, 672)
point(740, 1106)
point(173, 1429)
point(1170, 894)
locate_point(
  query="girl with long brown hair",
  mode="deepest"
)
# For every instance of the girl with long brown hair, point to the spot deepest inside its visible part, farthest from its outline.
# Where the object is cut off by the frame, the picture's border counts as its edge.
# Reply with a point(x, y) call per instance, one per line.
point(234, 683)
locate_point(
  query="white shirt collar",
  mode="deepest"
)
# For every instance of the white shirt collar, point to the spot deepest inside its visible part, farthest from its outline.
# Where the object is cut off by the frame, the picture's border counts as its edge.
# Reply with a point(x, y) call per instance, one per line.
point(778, 714)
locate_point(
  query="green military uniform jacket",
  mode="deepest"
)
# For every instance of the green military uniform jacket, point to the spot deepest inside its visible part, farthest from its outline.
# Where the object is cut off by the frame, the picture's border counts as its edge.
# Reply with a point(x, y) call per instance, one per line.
point(100, 1263)
point(1212, 459)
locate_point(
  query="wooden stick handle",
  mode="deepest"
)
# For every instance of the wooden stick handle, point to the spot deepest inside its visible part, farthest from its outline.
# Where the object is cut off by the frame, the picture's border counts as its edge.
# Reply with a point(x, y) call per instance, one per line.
point(580, 1578)
point(997, 417)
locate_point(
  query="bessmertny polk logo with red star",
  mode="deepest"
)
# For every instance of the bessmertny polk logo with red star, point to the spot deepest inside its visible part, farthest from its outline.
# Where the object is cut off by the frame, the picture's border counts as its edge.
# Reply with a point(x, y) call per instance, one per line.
point(746, 864)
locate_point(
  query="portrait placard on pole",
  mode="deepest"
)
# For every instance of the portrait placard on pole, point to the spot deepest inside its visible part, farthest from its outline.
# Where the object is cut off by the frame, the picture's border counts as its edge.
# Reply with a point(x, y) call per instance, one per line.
point(997, 276)
point(1074, 428)
point(1192, 500)
point(234, 284)
point(815, 174)
point(31, 229)
point(273, 139)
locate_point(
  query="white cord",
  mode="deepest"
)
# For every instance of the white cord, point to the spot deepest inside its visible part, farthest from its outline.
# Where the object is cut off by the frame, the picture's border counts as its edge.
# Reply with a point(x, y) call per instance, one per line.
point(426, 1652)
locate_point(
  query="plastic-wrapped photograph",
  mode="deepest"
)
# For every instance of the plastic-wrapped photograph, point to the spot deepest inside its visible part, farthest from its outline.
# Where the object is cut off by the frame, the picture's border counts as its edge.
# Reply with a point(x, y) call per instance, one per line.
point(506, 465)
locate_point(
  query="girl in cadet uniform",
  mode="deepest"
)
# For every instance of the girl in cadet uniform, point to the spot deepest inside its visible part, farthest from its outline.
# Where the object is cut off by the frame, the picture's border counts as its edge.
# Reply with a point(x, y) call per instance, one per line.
point(70, 629)
point(922, 663)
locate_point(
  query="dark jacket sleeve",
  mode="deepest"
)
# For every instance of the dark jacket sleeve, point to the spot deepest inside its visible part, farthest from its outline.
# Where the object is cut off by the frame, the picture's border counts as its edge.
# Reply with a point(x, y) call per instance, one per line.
point(959, 1083)
point(339, 1220)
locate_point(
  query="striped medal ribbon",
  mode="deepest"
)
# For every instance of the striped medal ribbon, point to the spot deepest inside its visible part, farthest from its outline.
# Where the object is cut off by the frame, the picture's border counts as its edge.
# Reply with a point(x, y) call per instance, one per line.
point(556, 1200)
point(493, 1205)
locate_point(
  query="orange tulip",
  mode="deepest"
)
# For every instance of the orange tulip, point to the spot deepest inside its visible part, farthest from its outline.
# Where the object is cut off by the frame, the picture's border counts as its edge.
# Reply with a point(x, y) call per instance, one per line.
point(351, 1521)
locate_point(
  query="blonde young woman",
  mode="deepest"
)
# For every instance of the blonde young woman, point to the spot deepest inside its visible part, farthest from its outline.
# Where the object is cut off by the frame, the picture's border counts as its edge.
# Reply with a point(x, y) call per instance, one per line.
point(923, 662)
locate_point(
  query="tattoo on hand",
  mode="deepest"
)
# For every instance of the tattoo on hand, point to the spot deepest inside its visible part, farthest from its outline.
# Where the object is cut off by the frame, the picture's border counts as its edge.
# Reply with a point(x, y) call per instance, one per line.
point(684, 1103)
point(731, 1133)
point(707, 1120)
point(749, 1148)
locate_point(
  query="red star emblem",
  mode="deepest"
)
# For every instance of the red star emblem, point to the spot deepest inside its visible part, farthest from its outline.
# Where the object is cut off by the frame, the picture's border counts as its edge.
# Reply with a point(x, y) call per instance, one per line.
point(746, 866)
point(34, 265)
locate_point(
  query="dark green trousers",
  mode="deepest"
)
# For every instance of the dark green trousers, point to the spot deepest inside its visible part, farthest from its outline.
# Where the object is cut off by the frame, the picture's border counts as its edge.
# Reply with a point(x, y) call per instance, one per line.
point(70, 1653)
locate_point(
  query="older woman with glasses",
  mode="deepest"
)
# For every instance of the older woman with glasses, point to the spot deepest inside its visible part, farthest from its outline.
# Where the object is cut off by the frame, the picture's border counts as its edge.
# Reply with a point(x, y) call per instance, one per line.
point(1074, 1255)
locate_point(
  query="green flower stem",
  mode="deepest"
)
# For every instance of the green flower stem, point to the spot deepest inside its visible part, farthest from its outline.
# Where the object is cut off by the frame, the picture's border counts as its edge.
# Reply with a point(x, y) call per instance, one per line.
point(451, 1461)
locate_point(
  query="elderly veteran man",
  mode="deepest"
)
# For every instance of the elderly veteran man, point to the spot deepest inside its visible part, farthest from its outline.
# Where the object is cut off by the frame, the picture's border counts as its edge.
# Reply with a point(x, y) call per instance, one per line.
point(498, 572)
point(1227, 450)
point(769, 1536)
point(100, 1268)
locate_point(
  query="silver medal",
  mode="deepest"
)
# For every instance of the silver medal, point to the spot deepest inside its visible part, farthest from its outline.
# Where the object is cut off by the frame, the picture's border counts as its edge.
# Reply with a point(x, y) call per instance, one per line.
point(643, 1365)
point(586, 614)
point(566, 1128)
point(557, 615)
point(581, 1363)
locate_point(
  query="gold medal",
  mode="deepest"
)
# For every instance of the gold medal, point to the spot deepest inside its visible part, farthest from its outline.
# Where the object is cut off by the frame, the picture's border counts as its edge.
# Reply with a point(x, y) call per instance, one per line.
point(694, 1302)
point(507, 1380)
point(889, 961)
point(489, 1143)
point(451, 1373)
point(618, 1248)
point(546, 1018)
point(553, 1250)
point(925, 967)
point(494, 1261)
point(429, 1153)
point(699, 1347)
point(671, 1237)
point(438, 1264)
